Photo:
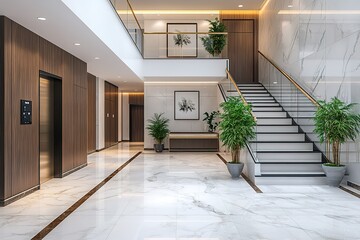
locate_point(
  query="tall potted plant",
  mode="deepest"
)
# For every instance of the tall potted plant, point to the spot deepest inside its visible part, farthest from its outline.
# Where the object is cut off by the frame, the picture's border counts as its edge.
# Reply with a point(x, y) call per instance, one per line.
point(215, 43)
point(158, 128)
point(336, 123)
point(210, 119)
point(237, 128)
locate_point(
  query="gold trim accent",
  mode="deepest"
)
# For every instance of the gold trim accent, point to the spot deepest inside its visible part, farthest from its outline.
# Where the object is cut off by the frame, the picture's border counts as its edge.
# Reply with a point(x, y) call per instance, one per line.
point(137, 21)
point(238, 90)
point(292, 81)
point(208, 33)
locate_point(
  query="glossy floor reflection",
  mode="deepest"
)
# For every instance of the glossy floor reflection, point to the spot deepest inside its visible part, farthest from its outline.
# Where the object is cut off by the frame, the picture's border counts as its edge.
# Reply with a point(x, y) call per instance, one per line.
point(179, 196)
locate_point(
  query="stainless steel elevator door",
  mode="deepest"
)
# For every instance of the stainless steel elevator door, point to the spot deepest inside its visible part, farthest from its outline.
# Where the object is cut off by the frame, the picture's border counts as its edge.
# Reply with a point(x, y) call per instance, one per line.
point(46, 130)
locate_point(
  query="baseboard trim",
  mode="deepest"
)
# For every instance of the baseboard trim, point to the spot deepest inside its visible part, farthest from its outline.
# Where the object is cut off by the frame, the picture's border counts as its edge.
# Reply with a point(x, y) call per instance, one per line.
point(99, 150)
point(73, 170)
point(353, 185)
point(91, 152)
point(154, 149)
point(18, 196)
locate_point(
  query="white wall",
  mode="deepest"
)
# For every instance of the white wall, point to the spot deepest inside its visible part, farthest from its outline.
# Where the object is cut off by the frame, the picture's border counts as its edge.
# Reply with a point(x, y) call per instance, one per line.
point(155, 45)
point(159, 98)
point(125, 117)
point(100, 114)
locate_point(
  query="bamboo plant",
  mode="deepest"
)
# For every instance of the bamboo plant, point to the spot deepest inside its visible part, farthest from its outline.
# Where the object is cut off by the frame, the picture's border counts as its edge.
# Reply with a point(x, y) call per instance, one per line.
point(336, 123)
point(237, 126)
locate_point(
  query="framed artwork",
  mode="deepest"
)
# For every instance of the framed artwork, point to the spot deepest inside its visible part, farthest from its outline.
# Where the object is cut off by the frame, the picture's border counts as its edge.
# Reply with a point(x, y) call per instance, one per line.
point(182, 45)
point(187, 105)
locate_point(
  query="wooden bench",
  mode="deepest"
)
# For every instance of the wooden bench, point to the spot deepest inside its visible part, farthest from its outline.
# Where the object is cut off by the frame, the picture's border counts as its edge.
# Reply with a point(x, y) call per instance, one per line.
point(193, 142)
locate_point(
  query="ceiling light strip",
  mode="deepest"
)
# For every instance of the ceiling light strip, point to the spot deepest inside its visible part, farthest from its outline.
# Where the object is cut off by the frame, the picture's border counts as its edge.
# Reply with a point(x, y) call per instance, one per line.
point(319, 12)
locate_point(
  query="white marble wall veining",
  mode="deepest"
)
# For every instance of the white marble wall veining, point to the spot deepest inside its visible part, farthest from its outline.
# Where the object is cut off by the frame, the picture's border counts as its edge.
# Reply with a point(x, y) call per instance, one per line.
point(317, 43)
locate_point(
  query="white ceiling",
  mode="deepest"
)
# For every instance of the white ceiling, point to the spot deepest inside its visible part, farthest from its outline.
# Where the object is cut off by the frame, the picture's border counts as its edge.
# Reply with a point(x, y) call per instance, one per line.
point(64, 28)
point(196, 4)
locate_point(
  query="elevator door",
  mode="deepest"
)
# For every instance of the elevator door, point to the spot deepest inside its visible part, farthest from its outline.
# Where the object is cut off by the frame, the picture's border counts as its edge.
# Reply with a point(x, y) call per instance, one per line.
point(47, 153)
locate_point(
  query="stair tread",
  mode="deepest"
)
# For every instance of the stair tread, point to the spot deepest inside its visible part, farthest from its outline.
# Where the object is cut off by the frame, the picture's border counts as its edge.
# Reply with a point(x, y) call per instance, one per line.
point(288, 151)
point(293, 174)
point(262, 161)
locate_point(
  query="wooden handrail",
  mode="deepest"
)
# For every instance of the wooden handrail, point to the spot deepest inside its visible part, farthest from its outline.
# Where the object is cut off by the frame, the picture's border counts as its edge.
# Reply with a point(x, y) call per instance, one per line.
point(291, 80)
point(238, 90)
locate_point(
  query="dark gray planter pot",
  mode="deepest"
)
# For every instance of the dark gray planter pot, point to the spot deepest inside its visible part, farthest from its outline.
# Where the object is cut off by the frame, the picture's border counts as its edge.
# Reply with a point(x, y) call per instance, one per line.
point(235, 169)
point(334, 175)
point(158, 147)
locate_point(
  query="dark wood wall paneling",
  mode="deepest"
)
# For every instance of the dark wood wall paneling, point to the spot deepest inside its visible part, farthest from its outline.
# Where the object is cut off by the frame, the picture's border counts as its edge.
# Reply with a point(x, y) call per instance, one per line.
point(242, 43)
point(23, 55)
point(91, 113)
point(111, 114)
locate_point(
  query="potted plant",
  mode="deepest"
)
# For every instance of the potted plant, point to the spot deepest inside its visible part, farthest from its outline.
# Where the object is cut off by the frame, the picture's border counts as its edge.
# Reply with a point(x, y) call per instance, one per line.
point(336, 123)
point(215, 43)
point(158, 129)
point(210, 120)
point(237, 128)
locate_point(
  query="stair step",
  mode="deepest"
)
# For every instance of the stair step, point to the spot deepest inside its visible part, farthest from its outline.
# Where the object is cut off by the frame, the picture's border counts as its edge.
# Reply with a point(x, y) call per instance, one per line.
point(249, 85)
point(310, 167)
point(252, 88)
point(266, 109)
point(282, 146)
point(273, 121)
point(289, 156)
point(300, 179)
point(274, 137)
point(301, 108)
point(265, 104)
point(270, 114)
point(277, 129)
point(253, 91)
point(293, 174)
point(256, 95)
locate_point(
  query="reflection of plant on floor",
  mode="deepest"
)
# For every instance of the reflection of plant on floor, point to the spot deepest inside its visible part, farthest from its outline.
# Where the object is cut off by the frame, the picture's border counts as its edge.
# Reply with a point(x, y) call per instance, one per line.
point(181, 40)
point(186, 105)
point(210, 120)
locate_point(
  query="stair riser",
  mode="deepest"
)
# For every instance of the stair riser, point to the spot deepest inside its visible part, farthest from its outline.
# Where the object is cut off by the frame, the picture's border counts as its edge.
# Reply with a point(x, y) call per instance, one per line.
point(281, 157)
point(251, 88)
point(277, 129)
point(256, 94)
point(265, 104)
point(289, 146)
point(274, 109)
point(253, 91)
point(270, 114)
point(268, 168)
point(300, 109)
point(274, 121)
point(280, 137)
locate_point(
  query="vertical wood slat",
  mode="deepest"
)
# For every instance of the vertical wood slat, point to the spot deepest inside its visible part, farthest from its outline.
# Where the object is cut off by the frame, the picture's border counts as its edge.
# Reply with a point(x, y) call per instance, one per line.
point(245, 15)
point(91, 113)
point(50, 58)
point(67, 114)
point(25, 85)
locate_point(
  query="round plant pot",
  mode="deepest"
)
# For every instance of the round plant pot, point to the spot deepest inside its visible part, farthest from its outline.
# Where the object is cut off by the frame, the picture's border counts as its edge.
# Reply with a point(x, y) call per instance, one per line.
point(158, 147)
point(334, 175)
point(235, 169)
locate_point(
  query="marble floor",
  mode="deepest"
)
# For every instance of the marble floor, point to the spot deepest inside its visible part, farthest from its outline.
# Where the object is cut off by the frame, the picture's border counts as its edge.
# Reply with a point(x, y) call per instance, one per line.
point(179, 196)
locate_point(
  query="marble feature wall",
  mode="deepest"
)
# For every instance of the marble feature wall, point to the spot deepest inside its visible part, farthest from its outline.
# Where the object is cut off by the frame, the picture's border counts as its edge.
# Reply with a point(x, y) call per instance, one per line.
point(317, 43)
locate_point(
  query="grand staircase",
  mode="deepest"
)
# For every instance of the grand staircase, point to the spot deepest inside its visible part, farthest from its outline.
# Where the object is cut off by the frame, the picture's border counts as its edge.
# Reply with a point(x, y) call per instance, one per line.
point(284, 153)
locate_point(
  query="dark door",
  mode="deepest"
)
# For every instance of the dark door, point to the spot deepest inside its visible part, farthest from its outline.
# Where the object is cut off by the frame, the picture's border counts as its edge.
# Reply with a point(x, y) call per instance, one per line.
point(240, 50)
point(136, 123)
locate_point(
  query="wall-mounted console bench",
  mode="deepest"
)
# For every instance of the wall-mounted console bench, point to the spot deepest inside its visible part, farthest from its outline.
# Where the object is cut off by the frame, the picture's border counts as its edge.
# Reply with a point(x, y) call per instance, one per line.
point(193, 142)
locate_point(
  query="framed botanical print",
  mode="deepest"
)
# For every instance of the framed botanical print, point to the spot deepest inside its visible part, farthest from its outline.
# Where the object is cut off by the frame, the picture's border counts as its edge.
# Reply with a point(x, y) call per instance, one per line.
point(182, 45)
point(187, 105)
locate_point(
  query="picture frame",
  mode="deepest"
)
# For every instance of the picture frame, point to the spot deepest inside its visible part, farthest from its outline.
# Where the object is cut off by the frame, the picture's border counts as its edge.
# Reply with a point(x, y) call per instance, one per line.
point(186, 105)
point(182, 45)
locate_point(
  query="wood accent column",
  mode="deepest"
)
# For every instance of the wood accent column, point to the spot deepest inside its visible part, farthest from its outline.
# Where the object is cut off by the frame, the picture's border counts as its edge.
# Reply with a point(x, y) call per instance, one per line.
point(242, 43)
point(136, 115)
point(111, 114)
point(91, 113)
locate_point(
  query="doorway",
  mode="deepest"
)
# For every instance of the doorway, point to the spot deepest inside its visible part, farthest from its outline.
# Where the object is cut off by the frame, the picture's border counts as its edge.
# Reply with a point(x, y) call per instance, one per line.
point(136, 123)
point(50, 129)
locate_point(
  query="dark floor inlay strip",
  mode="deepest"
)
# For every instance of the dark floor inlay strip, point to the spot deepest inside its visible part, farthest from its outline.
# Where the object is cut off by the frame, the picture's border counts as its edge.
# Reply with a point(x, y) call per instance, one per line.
point(350, 192)
point(71, 209)
point(256, 188)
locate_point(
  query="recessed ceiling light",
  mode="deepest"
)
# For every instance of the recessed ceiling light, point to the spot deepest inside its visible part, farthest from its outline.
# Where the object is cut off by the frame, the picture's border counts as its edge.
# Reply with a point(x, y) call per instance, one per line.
point(290, 6)
point(125, 81)
point(77, 44)
point(240, 6)
point(97, 58)
point(41, 18)
point(275, 82)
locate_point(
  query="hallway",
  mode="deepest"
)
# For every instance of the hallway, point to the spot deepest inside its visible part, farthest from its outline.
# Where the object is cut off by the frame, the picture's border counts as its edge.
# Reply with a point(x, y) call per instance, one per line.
point(178, 196)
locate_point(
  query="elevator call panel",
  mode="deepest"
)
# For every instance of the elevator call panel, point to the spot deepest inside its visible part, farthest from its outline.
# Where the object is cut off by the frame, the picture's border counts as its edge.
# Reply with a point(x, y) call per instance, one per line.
point(26, 112)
